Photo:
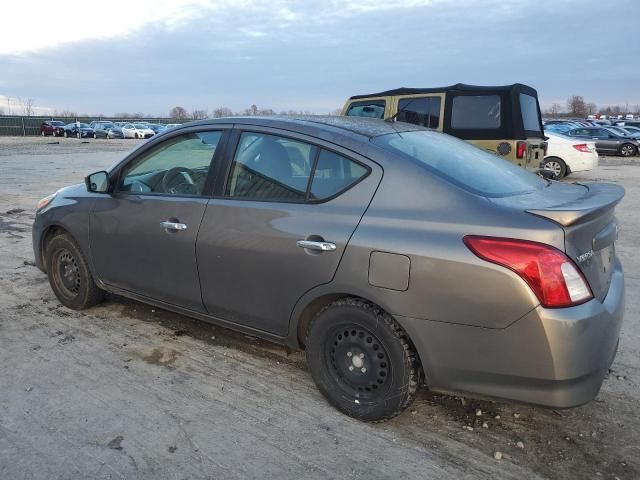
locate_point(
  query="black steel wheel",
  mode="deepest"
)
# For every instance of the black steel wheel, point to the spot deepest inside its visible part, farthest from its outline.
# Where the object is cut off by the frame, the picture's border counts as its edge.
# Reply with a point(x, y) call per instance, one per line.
point(362, 360)
point(69, 274)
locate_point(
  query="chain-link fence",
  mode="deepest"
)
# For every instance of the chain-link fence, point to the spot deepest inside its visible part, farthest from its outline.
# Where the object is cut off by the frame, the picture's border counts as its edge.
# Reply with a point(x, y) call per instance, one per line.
point(14, 125)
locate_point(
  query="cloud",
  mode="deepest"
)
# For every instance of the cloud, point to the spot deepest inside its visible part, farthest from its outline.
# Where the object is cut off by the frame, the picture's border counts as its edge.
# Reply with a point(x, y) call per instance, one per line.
point(312, 55)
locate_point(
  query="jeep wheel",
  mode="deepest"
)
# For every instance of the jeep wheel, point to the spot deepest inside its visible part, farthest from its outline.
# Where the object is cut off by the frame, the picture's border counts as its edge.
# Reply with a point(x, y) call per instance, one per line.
point(361, 360)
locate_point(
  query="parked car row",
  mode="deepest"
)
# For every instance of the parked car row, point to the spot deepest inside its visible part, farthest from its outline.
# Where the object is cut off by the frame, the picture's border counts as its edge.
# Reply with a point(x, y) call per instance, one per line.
point(620, 139)
point(102, 129)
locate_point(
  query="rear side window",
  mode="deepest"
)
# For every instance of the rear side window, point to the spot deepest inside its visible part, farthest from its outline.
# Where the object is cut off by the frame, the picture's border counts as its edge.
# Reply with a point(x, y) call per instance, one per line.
point(371, 109)
point(268, 167)
point(334, 174)
point(423, 111)
point(529, 110)
point(461, 163)
point(471, 112)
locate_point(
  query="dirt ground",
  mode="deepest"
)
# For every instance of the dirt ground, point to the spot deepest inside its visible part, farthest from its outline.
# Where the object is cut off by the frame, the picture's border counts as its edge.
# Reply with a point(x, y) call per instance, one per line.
point(126, 390)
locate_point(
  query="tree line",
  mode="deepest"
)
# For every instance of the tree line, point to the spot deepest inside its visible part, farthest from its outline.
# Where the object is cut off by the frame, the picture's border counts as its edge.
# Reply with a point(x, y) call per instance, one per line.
point(577, 106)
point(181, 113)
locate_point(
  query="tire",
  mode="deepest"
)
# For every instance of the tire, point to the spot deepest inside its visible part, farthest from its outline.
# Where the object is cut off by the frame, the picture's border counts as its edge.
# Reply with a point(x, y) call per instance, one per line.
point(361, 360)
point(556, 166)
point(627, 150)
point(69, 274)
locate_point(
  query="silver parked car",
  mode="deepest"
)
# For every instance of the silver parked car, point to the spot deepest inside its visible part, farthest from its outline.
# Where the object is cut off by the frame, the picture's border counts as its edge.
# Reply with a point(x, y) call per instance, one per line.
point(392, 254)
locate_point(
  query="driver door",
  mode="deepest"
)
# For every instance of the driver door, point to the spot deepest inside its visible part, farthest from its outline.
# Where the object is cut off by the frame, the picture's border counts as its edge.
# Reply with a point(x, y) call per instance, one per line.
point(143, 235)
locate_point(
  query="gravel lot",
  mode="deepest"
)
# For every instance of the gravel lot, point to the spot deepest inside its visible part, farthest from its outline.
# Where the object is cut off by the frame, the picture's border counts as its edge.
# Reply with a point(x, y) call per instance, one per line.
point(125, 390)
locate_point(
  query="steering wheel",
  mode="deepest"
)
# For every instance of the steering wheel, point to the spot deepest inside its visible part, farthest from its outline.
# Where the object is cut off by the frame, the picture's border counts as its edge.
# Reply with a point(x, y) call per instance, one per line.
point(177, 177)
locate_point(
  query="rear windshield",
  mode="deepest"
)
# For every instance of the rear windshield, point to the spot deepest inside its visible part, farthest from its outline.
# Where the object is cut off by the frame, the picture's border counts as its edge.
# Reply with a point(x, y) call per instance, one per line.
point(370, 108)
point(461, 163)
point(529, 110)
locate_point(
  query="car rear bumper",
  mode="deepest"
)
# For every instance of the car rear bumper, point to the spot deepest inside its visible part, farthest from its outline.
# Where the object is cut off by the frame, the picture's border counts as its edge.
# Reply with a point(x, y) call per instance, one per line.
point(551, 357)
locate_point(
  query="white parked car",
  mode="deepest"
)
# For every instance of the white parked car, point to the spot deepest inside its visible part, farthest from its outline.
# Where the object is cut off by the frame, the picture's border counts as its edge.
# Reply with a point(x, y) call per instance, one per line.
point(567, 155)
point(137, 130)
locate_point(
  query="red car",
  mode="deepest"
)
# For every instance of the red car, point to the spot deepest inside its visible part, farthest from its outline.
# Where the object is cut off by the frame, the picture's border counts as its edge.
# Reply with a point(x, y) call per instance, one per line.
point(52, 127)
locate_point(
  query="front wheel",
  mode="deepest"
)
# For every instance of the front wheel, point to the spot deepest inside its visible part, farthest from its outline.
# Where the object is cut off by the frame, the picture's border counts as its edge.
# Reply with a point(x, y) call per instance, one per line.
point(361, 360)
point(69, 274)
point(627, 150)
point(556, 166)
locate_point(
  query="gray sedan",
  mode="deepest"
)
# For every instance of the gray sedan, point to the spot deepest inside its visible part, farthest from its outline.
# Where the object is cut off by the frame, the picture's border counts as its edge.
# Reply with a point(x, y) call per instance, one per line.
point(392, 254)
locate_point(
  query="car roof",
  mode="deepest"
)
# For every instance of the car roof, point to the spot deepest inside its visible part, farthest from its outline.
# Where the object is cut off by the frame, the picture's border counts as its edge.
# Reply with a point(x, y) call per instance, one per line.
point(317, 124)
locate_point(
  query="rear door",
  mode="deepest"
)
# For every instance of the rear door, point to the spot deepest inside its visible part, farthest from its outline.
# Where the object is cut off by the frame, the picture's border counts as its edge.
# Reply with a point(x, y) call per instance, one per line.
point(280, 226)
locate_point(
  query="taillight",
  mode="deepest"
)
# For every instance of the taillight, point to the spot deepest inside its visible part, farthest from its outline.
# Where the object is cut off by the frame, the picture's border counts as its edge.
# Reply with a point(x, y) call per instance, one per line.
point(552, 276)
point(582, 147)
point(521, 149)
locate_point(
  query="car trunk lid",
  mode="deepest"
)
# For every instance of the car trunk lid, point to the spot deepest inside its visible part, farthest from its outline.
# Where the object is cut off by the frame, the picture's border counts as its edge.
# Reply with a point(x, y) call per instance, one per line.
point(586, 214)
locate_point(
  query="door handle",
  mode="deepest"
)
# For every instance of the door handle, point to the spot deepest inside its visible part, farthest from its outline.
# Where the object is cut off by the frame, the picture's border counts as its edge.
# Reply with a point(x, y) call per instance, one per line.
point(176, 226)
point(317, 246)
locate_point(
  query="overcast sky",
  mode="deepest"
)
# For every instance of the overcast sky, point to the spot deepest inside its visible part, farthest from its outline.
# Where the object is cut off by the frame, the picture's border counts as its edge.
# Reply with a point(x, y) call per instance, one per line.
point(150, 55)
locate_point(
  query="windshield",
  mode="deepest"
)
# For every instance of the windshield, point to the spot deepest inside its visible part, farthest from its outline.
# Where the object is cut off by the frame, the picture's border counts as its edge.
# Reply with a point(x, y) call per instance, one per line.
point(461, 163)
point(84, 125)
point(139, 125)
point(617, 130)
point(529, 110)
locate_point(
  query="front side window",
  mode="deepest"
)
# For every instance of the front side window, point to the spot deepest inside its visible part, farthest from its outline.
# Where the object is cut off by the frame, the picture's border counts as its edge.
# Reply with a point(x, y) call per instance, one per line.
point(271, 168)
point(178, 166)
point(334, 174)
point(475, 112)
point(529, 111)
point(371, 109)
point(423, 111)
point(461, 163)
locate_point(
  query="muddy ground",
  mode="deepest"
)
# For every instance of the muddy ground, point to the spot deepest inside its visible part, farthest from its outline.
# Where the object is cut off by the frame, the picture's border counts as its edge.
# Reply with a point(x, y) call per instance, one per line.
point(126, 390)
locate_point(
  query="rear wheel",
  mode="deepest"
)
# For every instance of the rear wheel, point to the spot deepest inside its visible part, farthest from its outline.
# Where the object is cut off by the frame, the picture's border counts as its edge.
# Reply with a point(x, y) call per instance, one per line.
point(627, 150)
point(69, 274)
point(361, 360)
point(556, 166)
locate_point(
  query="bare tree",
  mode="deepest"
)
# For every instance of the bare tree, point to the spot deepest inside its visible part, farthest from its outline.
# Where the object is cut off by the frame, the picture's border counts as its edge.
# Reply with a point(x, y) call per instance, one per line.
point(199, 114)
point(27, 107)
point(577, 106)
point(221, 112)
point(68, 113)
point(252, 110)
point(636, 110)
point(555, 109)
point(179, 113)
point(336, 112)
point(1, 111)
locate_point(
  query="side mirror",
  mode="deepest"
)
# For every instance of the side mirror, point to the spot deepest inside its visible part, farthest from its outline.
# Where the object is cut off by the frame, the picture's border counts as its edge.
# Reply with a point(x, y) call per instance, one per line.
point(97, 182)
